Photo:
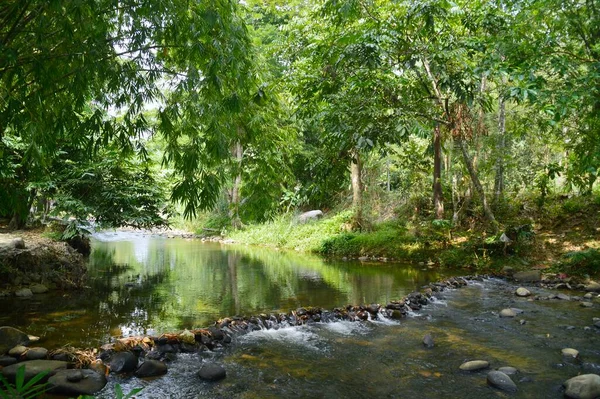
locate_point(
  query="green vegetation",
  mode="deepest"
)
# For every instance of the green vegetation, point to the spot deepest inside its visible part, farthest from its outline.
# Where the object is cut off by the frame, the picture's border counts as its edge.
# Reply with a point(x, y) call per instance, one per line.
point(429, 121)
point(32, 389)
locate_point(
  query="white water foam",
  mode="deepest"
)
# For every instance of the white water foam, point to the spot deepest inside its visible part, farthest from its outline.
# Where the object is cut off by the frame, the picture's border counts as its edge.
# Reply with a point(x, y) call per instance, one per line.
point(346, 328)
point(296, 335)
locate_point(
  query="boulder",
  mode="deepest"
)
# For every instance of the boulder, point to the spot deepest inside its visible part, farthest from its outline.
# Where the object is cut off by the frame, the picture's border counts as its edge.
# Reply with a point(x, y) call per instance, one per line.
point(123, 362)
point(212, 372)
point(17, 351)
point(11, 337)
point(24, 293)
point(522, 292)
point(586, 386)
point(187, 337)
point(310, 215)
point(151, 368)
point(36, 353)
point(428, 341)
point(499, 380)
point(475, 365)
point(593, 286)
point(38, 288)
point(33, 368)
point(570, 352)
point(76, 382)
point(530, 276)
point(507, 313)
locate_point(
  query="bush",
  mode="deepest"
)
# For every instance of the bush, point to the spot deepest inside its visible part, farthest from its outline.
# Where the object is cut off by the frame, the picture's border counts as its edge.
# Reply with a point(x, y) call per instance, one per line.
point(581, 262)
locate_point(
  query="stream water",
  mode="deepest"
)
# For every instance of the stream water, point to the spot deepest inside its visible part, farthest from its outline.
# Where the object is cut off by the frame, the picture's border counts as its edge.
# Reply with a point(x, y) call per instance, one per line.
point(147, 285)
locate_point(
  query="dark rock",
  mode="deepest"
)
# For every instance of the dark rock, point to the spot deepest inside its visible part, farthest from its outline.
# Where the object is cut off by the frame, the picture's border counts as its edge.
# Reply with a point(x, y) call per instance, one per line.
point(586, 386)
point(300, 312)
point(428, 341)
point(76, 382)
point(123, 362)
point(7, 361)
point(499, 380)
point(11, 337)
point(38, 288)
point(166, 348)
point(151, 368)
point(188, 348)
point(62, 357)
point(216, 333)
point(33, 367)
point(212, 372)
point(396, 314)
point(373, 308)
point(36, 353)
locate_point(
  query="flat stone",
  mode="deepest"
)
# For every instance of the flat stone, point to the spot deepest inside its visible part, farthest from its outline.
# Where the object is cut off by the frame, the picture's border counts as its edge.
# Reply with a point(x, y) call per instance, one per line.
point(17, 351)
point(24, 293)
point(508, 370)
point(212, 372)
point(475, 365)
point(586, 386)
point(33, 367)
point(570, 352)
point(507, 313)
point(7, 361)
point(38, 288)
point(36, 353)
point(11, 337)
point(499, 380)
point(76, 382)
point(151, 368)
point(123, 362)
point(522, 292)
point(528, 276)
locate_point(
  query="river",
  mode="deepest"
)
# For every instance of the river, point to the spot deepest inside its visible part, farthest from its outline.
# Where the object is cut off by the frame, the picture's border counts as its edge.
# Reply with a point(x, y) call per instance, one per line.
point(142, 284)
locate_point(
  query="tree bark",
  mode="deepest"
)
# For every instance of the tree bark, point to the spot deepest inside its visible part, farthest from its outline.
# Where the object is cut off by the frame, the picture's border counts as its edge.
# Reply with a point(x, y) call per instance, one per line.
point(438, 199)
point(500, 148)
point(357, 188)
point(489, 215)
point(234, 205)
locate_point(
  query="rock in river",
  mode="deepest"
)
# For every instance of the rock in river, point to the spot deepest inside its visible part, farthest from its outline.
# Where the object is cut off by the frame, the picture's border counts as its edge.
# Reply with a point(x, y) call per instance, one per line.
point(33, 367)
point(76, 382)
point(36, 353)
point(475, 365)
point(428, 341)
point(522, 292)
point(501, 381)
point(123, 362)
point(507, 313)
point(508, 370)
point(11, 337)
point(38, 288)
point(570, 352)
point(151, 368)
point(17, 351)
point(212, 372)
point(586, 386)
point(24, 293)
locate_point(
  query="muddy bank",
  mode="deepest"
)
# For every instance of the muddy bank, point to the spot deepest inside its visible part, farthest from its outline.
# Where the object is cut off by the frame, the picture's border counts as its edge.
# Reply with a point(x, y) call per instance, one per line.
point(31, 264)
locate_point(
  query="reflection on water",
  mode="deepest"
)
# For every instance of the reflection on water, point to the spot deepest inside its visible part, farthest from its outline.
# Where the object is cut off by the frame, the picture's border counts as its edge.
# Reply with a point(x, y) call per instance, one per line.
point(142, 284)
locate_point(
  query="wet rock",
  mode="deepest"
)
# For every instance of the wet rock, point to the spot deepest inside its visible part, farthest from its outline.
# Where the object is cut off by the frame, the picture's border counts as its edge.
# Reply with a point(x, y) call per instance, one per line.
point(61, 356)
point(38, 288)
point(475, 365)
point(589, 295)
point(397, 315)
point(570, 352)
point(7, 361)
point(123, 362)
point(597, 324)
point(500, 380)
point(593, 286)
point(522, 292)
point(36, 353)
point(373, 308)
point(428, 341)
point(508, 370)
point(301, 312)
point(212, 372)
point(33, 367)
point(187, 337)
point(586, 304)
point(216, 333)
point(563, 297)
point(24, 293)
point(17, 351)
point(11, 337)
point(531, 276)
point(586, 386)
point(507, 313)
point(76, 382)
point(151, 368)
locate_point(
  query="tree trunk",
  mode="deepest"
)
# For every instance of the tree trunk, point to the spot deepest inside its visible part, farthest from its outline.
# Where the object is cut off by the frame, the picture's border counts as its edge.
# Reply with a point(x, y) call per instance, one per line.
point(489, 215)
point(438, 199)
point(234, 205)
point(357, 188)
point(500, 148)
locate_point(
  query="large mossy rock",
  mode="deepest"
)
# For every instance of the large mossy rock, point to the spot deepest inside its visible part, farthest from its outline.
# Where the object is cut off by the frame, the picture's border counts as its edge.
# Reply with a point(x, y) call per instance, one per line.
point(11, 337)
point(76, 382)
point(33, 368)
point(586, 386)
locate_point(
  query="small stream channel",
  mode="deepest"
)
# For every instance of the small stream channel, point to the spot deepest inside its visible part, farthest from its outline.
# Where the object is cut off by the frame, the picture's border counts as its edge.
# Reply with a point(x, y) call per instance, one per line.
point(144, 284)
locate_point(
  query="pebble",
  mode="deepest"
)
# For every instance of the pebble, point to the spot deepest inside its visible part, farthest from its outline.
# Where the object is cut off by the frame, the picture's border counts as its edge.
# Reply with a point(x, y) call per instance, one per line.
point(507, 313)
point(522, 292)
